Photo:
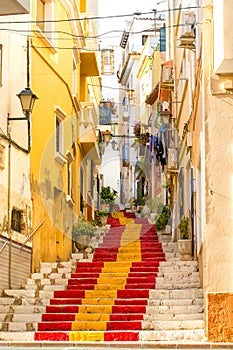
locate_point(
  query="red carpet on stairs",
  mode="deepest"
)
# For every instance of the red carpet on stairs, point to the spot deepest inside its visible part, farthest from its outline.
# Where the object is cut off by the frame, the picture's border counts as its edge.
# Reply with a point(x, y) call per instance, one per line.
point(106, 299)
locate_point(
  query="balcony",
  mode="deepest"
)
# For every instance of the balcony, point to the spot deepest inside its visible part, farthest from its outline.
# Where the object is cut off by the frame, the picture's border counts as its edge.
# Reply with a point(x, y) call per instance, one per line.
point(187, 41)
point(88, 124)
point(167, 75)
point(171, 137)
point(14, 7)
point(88, 55)
point(127, 67)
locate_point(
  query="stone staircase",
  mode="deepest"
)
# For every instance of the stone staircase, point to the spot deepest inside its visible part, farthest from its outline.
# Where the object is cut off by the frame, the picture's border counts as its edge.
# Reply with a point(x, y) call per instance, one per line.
point(133, 288)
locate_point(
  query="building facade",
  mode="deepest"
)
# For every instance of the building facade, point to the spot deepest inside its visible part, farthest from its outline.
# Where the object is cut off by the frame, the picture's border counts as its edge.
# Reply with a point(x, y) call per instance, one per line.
point(202, 54)
point(64, 155)
point(16, 206)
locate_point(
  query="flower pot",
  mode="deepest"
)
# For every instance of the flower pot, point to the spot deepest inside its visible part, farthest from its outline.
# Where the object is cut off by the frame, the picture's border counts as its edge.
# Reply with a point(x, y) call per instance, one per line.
point(82, 242)
point(105, 207)
point(185, 249)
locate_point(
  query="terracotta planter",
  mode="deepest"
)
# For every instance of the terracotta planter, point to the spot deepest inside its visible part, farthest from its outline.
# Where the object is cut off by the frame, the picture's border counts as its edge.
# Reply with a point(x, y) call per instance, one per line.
point(185, 249)
point(82, 241)
point(104, 220)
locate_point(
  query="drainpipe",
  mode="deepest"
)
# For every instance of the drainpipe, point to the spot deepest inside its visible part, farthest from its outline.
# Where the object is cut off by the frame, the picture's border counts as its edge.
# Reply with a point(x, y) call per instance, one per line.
point(9, 207)
point(192, 212)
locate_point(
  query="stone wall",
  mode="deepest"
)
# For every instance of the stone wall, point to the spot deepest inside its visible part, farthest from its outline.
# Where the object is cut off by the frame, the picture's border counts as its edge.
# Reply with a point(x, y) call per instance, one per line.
point(220, 317)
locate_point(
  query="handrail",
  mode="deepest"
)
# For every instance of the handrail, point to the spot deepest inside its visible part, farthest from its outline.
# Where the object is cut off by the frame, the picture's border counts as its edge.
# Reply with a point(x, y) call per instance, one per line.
point(33, 232)
point(1, 249)
point(28, 238)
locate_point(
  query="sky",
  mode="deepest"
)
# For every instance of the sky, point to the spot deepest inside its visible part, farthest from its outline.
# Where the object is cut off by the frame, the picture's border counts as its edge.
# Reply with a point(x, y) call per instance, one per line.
point(117, 25)
point(120, 7)
point(110, 159)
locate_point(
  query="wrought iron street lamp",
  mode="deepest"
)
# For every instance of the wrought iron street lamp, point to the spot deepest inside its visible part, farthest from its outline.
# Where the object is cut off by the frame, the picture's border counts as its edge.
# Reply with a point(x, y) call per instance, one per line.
point(27, 100)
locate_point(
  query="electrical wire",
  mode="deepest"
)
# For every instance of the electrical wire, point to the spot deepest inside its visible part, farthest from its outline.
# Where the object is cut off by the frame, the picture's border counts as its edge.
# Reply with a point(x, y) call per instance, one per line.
point(99, 17)
point(74, 19)
point(73, 36)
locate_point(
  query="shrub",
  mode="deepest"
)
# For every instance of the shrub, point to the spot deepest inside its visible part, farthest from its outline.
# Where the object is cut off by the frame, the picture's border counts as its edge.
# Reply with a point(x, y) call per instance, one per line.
point(184, 227)
point(163, 217)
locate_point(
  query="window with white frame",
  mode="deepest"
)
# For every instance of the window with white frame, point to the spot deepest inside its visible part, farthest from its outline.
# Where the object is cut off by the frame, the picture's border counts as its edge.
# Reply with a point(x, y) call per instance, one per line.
point(45, 18)
point(70, 158)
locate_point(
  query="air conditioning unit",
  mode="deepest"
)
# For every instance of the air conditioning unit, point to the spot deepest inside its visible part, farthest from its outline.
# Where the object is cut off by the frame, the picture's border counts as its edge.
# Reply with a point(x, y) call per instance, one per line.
point(172, 161)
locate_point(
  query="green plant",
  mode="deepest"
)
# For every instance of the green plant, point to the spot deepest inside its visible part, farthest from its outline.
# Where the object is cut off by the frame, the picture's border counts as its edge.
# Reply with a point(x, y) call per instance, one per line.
point(107, 195)
point(162, 217)
point(101, 213)
point(140, 200)
point(184, 227)
point(82, 227)
point(101, 217)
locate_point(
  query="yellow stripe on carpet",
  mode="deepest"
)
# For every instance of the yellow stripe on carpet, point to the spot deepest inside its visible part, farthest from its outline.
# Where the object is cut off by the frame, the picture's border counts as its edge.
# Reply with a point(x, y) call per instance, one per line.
point(86, 336)
point(130, 242)
point(97, 305)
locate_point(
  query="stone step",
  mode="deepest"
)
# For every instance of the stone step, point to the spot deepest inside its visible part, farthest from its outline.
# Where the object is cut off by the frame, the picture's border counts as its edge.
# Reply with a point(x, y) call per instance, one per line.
point(168, 294)
point(22, 309)
point(173, 317)
point(20, 293)
point(169, 284)
point(174, 310)
point(173, 325)
point(172, 256)
point(47, 284)
point(169, 336)
point(7, 300)
point(15, 336)
point(176, 302)
point(18, 326)
point(183, 335)
point(179, 265)
point(169, 246)
point(179, 274)
point(24, 318)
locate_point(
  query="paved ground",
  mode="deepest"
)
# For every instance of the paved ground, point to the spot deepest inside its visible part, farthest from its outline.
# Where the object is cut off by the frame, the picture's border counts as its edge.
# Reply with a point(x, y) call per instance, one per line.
point(123, 346)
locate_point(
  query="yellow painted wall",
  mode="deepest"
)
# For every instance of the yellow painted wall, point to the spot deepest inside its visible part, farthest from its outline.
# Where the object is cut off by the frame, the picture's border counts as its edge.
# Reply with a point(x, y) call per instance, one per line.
point(51, 81)
point(220, 317)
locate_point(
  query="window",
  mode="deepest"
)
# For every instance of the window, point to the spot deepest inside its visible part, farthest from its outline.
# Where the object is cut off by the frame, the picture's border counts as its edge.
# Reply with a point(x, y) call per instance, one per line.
point(45, 24)
point(92, 178)
point(17, 220)
point(59, 135)
point(2, 156)
point(40, 16)
point(70, 158)
point(81, 190)
point(144, 39)
point(59, 147)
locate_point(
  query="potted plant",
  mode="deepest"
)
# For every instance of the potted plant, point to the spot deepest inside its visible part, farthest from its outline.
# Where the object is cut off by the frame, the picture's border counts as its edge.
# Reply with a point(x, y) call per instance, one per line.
point(185, 243)
point(101, 217)
point(163, 216)
point(82, 232)
point(108, 196)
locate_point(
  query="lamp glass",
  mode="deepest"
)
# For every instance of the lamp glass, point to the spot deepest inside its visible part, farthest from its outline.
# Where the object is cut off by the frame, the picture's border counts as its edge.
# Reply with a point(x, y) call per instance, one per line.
point(107, 136)
point(27, 100)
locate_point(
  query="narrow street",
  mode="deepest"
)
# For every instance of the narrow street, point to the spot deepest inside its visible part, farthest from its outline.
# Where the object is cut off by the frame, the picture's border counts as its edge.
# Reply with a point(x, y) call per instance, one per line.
point(116, 174)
